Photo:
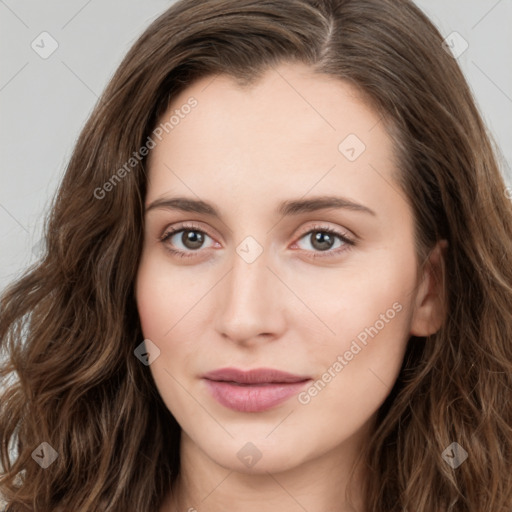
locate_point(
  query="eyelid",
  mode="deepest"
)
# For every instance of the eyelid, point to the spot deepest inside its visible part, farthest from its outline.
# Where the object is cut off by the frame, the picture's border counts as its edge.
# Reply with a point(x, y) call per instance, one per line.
point(169, 231)
point(319, 226)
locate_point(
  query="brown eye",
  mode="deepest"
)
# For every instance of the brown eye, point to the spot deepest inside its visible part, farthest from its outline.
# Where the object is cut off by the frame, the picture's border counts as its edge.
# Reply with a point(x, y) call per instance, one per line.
point(325, 240)
point(184, 240)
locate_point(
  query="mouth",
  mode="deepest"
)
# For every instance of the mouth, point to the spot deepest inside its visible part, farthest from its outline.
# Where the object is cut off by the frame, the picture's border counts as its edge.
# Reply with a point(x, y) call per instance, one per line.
point(254, 390)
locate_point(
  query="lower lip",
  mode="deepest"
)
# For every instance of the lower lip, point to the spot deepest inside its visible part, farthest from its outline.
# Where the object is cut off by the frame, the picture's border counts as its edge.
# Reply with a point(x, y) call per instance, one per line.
point(254, 397)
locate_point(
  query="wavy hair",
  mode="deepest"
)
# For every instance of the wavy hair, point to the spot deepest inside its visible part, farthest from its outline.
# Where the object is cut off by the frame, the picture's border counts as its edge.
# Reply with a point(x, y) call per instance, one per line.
point(69, 324)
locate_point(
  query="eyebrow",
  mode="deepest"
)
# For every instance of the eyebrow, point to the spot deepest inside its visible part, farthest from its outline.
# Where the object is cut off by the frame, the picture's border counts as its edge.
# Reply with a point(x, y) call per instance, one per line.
point(286, 208)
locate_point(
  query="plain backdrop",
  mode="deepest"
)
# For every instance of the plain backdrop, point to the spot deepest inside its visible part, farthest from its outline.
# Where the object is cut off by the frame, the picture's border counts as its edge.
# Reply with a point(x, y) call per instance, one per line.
point(46, 101)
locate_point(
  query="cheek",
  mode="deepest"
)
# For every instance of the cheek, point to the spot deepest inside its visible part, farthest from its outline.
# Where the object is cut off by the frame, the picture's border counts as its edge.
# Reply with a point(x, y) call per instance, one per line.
point(168, 304)
point(162, 295)
point(357, 368)
point(149, 297)
point(157, 301)
point(352, 298)
point(367, 310)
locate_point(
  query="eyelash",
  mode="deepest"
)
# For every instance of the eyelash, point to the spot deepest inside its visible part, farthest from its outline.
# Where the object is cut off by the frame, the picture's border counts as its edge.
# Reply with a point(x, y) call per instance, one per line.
point(348, 243)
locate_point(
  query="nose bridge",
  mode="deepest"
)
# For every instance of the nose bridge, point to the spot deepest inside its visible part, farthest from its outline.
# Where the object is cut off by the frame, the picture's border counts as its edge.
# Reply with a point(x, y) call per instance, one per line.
point(249, 305)
point(248, 281)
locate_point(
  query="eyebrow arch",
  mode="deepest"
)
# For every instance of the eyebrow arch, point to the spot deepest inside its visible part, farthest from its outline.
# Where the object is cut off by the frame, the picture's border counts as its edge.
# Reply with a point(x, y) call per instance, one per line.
point(286, 208)
point(299, 206)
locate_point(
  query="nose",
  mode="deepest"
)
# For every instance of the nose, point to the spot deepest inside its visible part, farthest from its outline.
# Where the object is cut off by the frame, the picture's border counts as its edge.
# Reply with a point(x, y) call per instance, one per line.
point(252, 302)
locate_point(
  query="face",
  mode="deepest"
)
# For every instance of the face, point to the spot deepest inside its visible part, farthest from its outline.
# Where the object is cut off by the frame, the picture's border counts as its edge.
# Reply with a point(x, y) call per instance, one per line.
point(292, 249)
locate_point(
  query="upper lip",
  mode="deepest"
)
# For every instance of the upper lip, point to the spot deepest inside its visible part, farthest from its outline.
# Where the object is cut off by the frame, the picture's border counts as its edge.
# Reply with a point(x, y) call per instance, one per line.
point(255, 376)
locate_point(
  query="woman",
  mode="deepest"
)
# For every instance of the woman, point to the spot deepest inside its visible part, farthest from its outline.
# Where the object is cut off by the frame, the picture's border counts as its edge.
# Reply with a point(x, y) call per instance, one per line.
point(278, 276)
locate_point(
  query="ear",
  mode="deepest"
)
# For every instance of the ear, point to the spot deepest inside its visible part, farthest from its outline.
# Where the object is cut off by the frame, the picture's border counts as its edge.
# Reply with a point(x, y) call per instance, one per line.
point(430, 307)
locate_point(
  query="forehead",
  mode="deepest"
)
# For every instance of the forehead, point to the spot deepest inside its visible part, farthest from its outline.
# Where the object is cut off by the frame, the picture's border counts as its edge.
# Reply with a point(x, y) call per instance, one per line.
point(290, 130)
point(280, 97)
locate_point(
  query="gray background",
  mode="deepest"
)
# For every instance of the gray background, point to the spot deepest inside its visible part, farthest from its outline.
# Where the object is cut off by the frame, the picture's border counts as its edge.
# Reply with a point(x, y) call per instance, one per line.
point(45, 102)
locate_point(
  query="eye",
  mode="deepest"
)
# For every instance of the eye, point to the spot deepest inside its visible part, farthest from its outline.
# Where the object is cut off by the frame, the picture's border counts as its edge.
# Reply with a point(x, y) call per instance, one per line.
point(190, 236)
point(323, 239)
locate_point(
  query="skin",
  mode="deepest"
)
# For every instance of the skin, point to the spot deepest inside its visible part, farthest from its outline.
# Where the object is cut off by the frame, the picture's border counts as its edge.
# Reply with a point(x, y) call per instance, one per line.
point(245, 151)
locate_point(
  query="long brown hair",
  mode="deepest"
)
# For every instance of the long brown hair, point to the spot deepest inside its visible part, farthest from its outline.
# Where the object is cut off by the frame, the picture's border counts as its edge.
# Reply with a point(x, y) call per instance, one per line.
point(69, 326)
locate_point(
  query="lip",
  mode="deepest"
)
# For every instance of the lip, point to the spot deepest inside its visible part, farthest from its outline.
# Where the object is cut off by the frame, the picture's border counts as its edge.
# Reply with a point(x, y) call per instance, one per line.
point(254, 390)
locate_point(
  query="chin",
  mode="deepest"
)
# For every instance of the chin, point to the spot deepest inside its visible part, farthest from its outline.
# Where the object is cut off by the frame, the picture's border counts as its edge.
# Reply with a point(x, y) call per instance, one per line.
point(254, 457)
